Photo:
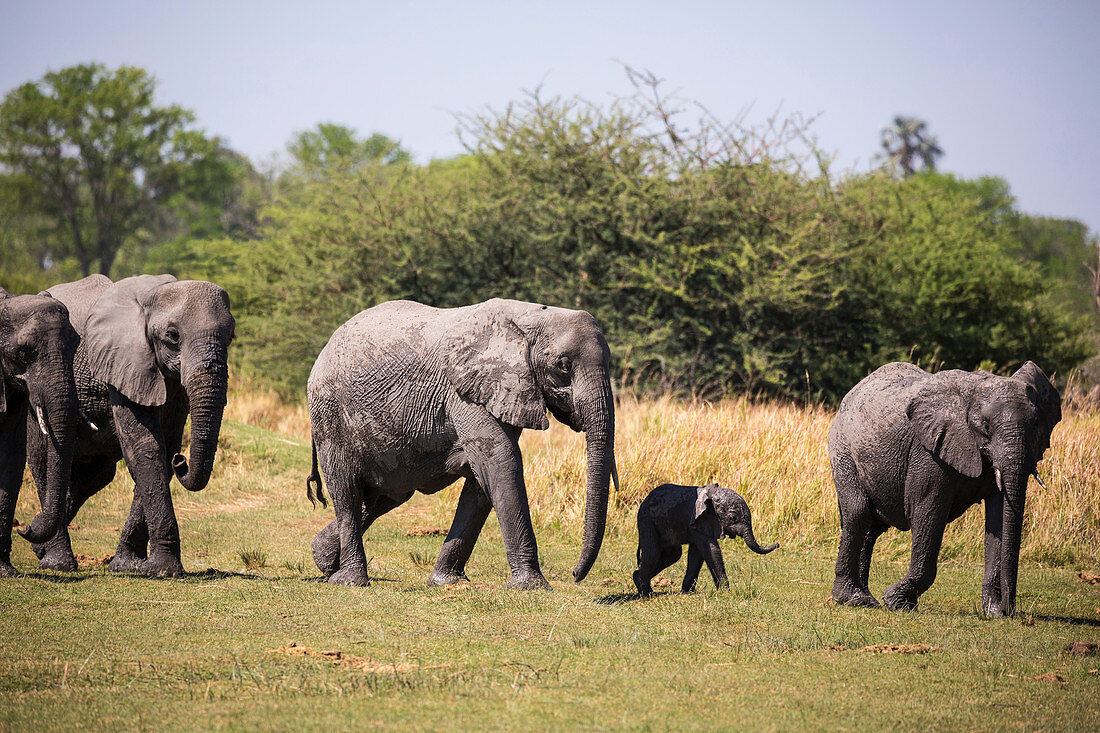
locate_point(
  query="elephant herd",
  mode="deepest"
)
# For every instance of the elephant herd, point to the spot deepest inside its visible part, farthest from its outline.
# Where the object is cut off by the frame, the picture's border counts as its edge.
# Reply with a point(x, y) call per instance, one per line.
point(406, 397)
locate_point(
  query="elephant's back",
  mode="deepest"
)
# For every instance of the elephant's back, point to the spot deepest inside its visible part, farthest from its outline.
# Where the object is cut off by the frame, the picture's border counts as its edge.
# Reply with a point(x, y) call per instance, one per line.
point(877, 404)
point(79, 297)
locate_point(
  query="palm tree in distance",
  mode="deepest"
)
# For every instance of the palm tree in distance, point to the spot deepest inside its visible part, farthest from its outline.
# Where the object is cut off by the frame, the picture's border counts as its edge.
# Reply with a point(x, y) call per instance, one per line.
point(907, 140)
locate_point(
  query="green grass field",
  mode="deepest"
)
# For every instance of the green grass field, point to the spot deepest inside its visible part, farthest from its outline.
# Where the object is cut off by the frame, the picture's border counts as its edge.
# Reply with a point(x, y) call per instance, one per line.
point(210, 651)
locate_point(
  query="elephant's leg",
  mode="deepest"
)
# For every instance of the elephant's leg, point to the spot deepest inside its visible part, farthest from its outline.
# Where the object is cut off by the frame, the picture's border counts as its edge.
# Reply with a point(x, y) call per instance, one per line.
point(856, 520)
point(326, 544)
point(347, 501)
point(712, 556)
point(929, 521)
point(991, 582)
point(865, 556)
point(694, 565)
point(88, 477)
point(500, 470)
point(13, 446)
point(470, 515)
point(152, 515)
point(649, 556)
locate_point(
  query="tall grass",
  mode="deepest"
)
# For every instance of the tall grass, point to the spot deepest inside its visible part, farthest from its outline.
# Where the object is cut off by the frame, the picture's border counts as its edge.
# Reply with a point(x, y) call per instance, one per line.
point(776, 456)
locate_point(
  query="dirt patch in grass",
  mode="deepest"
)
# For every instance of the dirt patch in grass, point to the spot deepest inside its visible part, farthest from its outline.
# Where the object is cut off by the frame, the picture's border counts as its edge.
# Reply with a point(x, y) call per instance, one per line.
point(1049, 677)
point(1087, 577)
point(87, 561)
point(1082, 649)
point(890, 648)
point(422, 531)
point(350, 661)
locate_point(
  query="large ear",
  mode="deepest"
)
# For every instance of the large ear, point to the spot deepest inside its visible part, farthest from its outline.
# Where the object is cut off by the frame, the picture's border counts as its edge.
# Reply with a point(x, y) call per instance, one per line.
point(704, 517)
point(118, 348)
point(487, 362)
point(939, 416)
point(1047, 401)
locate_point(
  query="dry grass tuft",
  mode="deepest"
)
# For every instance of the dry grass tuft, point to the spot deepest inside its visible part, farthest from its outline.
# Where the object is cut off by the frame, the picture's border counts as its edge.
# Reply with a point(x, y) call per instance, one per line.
point(776, 456)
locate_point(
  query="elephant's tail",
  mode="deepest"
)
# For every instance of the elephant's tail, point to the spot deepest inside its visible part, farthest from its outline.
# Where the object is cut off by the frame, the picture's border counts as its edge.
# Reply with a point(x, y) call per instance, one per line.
point(315, 477)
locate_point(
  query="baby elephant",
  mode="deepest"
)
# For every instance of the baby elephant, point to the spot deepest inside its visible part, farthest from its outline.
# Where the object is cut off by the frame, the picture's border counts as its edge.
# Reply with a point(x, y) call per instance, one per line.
point(673, 515)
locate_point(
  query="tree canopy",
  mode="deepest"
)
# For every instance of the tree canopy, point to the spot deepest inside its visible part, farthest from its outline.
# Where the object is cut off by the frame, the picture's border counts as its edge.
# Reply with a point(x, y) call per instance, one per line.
point(89, 159)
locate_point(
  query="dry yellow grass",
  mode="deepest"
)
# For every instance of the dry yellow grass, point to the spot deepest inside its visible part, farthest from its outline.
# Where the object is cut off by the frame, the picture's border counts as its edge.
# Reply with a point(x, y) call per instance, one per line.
point(776, 456)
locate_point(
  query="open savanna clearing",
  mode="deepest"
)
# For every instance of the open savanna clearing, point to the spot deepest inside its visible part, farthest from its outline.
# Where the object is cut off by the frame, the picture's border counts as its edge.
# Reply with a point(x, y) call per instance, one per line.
point(249, 639)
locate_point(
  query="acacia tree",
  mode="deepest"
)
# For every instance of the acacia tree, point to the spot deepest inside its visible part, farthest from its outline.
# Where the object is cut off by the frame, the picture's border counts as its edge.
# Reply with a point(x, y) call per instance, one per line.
point(91, 157)
point(907, 140)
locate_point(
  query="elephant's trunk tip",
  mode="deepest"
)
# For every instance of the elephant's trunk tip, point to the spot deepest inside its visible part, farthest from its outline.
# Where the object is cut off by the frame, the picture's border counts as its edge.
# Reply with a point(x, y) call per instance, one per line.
point(181, 469)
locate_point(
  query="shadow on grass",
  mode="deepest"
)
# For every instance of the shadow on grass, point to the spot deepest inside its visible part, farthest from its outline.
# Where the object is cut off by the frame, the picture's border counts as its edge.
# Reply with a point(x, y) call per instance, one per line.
point(616, 599)
point(1071, 620)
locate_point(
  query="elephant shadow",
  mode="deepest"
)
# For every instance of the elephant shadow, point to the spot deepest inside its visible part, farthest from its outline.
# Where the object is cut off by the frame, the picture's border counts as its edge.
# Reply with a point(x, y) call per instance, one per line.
point(616, 599)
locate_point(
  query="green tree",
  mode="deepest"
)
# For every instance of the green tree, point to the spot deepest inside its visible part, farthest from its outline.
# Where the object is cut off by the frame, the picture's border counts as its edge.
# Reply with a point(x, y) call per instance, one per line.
point(907, 140)
point(92, 159)
point(330, 148)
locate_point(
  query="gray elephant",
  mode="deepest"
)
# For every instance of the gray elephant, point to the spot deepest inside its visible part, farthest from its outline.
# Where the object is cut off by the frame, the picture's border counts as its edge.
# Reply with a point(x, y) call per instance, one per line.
point(408, 398)
point(37, 392)
point(914, 450)
point(696, 516)
point(152, 351)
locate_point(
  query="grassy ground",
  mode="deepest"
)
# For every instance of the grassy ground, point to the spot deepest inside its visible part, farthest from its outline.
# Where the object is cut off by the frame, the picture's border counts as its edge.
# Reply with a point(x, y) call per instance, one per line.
point(212, 650)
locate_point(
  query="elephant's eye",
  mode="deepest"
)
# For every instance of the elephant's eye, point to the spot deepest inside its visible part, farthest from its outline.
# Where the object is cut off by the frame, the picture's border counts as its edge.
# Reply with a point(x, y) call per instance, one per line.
point(172, 335)
point(563, 365)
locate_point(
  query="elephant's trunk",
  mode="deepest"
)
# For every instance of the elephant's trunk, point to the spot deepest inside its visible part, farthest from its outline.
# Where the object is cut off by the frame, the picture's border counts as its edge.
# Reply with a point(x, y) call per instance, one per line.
point(596, 408)
point(1013, 484)
point(58, 419)
point(750, 540)
point(206, 385)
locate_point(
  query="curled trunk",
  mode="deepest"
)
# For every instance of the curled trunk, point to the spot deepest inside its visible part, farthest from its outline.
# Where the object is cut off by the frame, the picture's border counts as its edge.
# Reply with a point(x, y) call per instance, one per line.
point(206, 389)
point(750, 540)
point(596, 408)
point(58, 419)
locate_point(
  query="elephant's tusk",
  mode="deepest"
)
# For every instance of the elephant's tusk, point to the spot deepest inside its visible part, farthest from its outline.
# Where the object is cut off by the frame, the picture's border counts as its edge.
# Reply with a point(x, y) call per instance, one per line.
point(41, 420)
point(1036, 475)
point(997, 477)
point(88, 422)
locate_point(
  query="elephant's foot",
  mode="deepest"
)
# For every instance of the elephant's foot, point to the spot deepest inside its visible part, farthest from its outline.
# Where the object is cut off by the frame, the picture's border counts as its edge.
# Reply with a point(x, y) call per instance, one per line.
point(528, 580)
point(326, 552)
point(353, 575)
point(7, 570)
point(899, 599)
point(126, 561)
point(163, 565)
point(445, 577)
point(61, 561)
point(991, 604)
point(642, 584)
point(846, 593)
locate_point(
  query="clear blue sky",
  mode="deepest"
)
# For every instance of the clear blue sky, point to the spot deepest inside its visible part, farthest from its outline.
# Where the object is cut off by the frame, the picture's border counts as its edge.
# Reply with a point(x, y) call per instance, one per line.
point(1010, 88)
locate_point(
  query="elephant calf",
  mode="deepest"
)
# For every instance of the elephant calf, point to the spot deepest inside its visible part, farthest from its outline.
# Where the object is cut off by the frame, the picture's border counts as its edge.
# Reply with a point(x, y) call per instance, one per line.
point(698, 516)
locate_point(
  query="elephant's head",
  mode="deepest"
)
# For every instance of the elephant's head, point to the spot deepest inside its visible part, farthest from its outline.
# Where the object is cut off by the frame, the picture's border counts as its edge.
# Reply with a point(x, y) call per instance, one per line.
point(521, 359)
point(978, 422)
point(146, 331)
point(722, 512)
point(37, 345)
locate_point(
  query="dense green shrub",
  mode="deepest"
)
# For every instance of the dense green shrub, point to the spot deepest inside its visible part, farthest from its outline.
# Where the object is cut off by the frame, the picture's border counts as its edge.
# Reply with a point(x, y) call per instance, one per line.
point(715, 260)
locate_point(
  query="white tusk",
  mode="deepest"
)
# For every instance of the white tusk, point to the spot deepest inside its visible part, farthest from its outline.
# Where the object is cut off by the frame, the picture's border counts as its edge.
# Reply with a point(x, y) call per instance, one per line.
point(997, 476)
point(1036, 475)
point(41, 420)
point(88, 422)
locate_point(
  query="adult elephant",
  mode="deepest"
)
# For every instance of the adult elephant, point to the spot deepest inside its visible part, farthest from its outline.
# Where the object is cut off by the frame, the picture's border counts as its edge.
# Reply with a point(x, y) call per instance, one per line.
point(37, 391)
point(152, 350)
point(408, 398)
point(914, 450)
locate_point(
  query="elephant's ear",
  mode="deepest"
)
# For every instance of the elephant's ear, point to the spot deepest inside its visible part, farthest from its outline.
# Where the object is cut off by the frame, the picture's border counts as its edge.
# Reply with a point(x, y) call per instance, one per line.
point(704, 517)
point(488, 362)
point(938, 413)
point(1047, 401)
point(118, 348)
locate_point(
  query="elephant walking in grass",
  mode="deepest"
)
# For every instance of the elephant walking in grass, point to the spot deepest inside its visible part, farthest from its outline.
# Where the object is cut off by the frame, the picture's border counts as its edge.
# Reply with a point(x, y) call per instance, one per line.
point(152, 351)
point(914, 450)
point(37, 394)
point(696, 516)
point(409, 398)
